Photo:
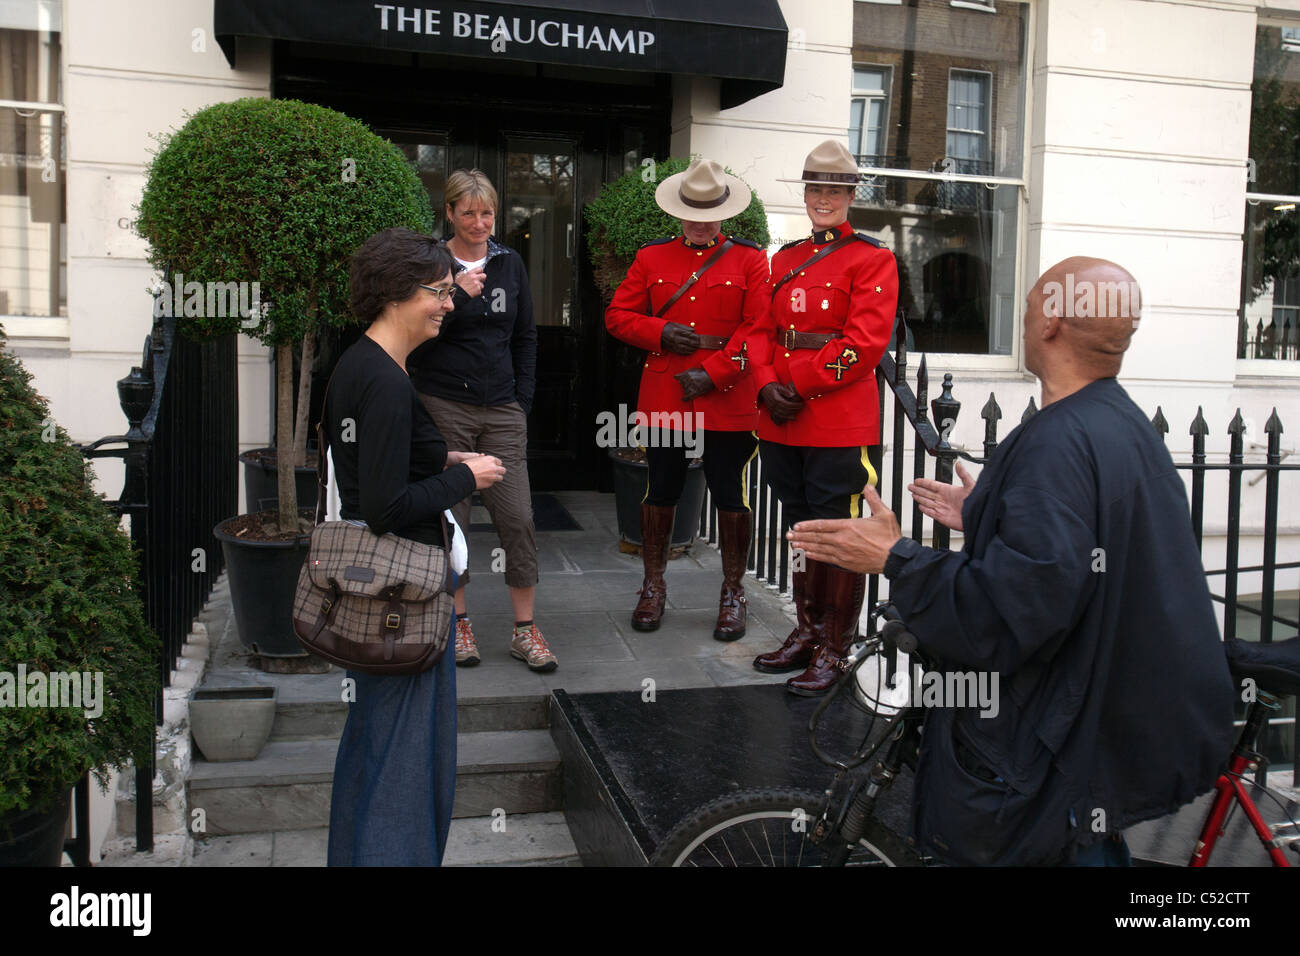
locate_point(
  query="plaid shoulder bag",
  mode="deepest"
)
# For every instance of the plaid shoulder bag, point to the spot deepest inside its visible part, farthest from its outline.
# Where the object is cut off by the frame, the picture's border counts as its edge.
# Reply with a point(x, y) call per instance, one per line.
point(378, 604)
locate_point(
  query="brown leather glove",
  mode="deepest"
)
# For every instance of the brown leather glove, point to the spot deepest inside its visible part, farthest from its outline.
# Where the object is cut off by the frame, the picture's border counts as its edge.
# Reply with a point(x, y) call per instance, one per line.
point(679, 339)
point(782, 401)
point(695, 382)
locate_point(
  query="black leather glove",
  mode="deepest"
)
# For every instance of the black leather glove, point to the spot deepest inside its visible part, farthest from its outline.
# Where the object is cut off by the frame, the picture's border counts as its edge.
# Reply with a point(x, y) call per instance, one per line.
point(782, 401)
point(679, 339)
point(695, 382)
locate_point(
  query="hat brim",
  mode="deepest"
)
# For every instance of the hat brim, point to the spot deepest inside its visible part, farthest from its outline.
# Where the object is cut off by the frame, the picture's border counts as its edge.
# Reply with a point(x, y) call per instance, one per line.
point(667, 198)
point(821, 182)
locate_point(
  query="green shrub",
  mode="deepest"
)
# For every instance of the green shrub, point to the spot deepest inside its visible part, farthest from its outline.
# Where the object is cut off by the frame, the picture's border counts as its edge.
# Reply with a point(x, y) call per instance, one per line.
point(280, 193)
point(624, 217)
point(68, 602)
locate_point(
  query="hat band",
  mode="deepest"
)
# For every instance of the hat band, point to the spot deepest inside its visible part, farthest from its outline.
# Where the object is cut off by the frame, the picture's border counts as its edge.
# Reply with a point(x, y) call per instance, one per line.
point(705, 203)
point(847, 179)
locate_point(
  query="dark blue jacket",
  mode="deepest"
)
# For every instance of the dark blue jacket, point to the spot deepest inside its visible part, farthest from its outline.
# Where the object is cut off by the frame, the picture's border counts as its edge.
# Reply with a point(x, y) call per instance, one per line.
point(486, 353)
point(1081, 584)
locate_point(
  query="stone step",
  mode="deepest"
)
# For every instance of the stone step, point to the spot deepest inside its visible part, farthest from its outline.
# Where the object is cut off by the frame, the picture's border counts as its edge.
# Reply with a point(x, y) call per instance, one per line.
point(307, 719)
point(288, 786)
point(525, 839)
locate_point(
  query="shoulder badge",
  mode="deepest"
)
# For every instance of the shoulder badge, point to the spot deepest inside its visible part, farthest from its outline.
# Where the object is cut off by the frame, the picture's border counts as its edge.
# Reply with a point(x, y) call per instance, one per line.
point(658, 242)
point(865, 238)
point(744, 242)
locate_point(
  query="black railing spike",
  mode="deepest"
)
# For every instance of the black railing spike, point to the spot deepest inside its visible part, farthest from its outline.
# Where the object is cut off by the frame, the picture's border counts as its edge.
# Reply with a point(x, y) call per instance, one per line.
point(1237, 427)
point(1030, 411)
point(991, 412)
point(1199, 425)
point(922, 388)
point(900, 345)
point(1274, 424)
point(1158, 420)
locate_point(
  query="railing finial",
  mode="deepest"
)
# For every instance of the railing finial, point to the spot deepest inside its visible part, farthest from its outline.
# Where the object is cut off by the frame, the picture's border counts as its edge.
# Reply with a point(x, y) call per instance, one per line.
point(1030, 410)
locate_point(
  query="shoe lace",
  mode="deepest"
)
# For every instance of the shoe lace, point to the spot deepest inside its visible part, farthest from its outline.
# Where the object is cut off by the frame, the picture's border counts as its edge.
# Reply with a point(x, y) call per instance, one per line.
point(533, 642)
point(464, 636)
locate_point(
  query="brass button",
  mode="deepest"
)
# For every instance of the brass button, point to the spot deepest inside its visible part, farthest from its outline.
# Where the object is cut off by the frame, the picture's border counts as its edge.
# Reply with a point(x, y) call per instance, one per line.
point(692, 325)
point(787, 354)
point(692, 298)
point(728, 282)
point(661, 281)
point(801, 273)
point(828, 285)
point(792, 325)
point(699, 253)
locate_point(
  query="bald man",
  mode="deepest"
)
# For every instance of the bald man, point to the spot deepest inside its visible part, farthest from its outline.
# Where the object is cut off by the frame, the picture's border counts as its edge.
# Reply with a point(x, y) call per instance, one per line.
point(1079, 587)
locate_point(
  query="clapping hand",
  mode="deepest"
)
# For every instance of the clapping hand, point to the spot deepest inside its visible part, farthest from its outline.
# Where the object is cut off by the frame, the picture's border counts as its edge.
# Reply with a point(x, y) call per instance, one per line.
point(858, 544)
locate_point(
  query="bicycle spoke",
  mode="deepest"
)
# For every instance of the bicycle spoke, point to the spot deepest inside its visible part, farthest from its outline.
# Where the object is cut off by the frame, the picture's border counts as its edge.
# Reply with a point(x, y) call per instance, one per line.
point(757, 855)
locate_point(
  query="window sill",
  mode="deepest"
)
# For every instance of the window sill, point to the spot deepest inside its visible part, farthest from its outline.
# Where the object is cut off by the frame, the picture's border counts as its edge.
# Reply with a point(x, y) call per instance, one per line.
point(35, 327)
point(1258, 371)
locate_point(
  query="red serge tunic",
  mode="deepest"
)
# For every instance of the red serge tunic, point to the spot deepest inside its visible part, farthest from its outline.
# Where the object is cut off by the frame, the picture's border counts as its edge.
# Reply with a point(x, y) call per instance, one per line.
point(725, 302)
point(851, 294)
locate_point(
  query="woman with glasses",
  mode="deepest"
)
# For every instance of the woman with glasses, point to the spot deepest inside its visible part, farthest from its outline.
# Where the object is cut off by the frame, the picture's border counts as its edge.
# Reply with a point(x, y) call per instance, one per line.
point(395, 772)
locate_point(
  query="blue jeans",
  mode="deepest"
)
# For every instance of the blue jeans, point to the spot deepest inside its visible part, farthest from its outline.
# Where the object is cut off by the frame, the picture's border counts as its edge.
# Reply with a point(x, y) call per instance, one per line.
point(1109, 851)
point(395, 773)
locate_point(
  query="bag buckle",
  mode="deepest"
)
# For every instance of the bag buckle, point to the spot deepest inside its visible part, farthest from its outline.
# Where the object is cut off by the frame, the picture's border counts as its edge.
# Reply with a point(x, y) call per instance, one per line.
point(325, 608)
point(393, 621)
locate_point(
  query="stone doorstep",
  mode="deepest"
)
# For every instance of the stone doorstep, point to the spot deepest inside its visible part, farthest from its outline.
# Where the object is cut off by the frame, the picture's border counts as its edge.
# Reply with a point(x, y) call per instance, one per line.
point(529, 839)
point(322, 713)
point(288, 786)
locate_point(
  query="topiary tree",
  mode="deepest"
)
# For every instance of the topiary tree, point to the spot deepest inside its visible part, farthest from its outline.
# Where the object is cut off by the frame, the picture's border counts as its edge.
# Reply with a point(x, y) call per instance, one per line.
point(279, 193)
point(68, 604)
point(624, 217)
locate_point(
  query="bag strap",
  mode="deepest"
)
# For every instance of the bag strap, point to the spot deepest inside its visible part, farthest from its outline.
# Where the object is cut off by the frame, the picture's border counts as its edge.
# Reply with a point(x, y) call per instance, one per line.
point(839, 243)
point(695, 277)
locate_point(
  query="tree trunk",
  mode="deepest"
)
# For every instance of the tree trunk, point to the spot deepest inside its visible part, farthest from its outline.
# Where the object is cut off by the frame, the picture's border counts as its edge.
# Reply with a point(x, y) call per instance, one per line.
point(284, 459)
point(301, 421)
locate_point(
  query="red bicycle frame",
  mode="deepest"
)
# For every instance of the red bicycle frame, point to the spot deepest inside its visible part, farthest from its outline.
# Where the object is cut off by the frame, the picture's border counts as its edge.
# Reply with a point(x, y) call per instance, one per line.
point(1230, 786)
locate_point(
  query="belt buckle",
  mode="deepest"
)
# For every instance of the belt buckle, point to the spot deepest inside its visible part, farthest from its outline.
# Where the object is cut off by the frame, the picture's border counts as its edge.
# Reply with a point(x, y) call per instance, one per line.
point(788, 338)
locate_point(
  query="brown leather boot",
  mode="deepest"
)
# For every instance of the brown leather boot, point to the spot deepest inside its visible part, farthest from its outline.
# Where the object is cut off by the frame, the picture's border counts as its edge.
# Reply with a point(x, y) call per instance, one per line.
point(656, 535)
point(734, 529)
point(839, 593)
point(798, 649)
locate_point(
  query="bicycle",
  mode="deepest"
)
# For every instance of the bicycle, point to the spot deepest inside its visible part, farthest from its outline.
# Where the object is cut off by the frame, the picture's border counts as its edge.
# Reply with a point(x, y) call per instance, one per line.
point(839, 826)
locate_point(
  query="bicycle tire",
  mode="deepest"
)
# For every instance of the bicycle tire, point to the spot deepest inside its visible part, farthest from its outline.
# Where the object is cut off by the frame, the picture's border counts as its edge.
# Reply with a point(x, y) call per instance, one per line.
point(701, 839)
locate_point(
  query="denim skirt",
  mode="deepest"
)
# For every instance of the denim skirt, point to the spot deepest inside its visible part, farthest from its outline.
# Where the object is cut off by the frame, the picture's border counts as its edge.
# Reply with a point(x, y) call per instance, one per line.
point(395, 773)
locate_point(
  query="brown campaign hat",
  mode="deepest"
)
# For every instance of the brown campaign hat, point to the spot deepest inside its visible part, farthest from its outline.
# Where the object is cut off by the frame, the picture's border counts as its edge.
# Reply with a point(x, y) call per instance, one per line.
point(702, 193)
point(830, 163)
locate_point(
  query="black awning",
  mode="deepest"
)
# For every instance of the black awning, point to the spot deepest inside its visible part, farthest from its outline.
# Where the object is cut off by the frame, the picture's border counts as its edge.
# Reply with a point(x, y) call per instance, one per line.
point(740, 41)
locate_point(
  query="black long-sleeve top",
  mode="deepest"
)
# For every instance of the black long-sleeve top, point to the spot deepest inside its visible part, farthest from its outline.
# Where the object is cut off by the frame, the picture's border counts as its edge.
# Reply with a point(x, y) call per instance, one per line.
point(388, 453)
point(487, 351)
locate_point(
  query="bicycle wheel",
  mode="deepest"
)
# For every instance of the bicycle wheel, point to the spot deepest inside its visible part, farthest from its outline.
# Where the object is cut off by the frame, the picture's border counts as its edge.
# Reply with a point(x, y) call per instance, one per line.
point(768, 828)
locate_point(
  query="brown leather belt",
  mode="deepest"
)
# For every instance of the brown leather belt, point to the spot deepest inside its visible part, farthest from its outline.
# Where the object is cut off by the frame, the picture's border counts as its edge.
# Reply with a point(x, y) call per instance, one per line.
point(804, 340)
point(712, 341)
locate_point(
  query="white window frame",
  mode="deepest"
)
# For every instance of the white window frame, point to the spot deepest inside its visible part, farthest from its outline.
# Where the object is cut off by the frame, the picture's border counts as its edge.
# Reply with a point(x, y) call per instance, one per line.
point(41, 326)
point(868, 95)
point(1257, 367)
point(1011, 365)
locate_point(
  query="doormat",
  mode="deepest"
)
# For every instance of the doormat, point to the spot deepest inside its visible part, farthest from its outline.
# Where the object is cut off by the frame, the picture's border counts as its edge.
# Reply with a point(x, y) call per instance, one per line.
point(548, 515)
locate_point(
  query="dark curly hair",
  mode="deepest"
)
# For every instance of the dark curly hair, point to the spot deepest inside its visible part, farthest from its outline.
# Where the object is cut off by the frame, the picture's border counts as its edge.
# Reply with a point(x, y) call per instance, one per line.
point(390, 265)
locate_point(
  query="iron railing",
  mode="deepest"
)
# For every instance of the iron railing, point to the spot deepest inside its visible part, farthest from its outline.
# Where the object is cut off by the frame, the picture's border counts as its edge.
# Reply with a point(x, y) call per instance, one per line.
point(181, 478)
point(1280, 339)
point(769, 559)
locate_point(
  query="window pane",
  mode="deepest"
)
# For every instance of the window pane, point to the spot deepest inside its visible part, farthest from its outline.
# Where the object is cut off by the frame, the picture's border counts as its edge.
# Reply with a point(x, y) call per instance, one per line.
point(430, 162)
point(951, 68)
point(1274, 116)
point(856, 108)
point(32, 177)
point(539, 222)
point(1269, 320)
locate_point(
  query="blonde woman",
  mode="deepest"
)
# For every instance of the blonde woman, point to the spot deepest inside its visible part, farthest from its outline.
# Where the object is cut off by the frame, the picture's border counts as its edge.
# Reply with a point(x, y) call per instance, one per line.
point(478, 386)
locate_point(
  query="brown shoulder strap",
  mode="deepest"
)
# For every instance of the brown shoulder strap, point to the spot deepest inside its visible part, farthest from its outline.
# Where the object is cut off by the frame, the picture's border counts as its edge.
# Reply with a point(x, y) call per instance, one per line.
point(839, 243)
point(695, 277)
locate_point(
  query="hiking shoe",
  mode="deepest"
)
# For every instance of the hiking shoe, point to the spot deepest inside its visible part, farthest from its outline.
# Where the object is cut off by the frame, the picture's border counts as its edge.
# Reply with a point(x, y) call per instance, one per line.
point(466, 649)
point(529, 646)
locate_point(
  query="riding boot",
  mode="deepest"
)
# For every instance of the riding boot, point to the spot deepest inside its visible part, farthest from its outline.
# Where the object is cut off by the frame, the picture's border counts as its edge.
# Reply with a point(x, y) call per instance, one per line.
point(798, 648)
point(656, 534)
point(734, 528)
point(834, 630)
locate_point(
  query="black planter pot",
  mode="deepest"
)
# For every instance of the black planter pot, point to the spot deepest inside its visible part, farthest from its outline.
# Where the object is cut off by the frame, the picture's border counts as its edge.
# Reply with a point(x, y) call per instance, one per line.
point(263, 577)
point(629, 489)
point(261, 487)
point(34, 838)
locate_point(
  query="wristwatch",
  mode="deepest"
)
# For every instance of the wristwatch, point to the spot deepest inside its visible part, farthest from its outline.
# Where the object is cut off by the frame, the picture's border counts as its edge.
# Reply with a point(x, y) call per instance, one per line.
point(904, 550)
